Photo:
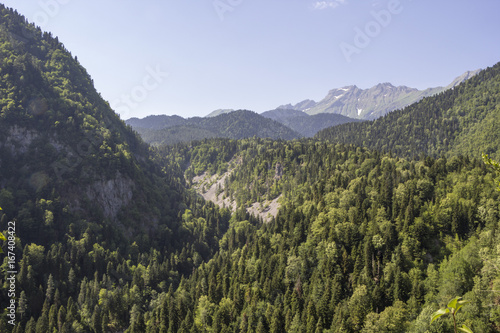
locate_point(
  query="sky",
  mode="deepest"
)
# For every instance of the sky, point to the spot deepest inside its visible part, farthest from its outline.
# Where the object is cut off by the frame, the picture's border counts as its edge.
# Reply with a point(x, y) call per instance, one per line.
point(192, 57)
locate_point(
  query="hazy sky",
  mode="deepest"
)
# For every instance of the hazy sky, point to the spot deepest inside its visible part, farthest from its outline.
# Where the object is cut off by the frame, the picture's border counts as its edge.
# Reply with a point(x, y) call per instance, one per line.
point(190, 57)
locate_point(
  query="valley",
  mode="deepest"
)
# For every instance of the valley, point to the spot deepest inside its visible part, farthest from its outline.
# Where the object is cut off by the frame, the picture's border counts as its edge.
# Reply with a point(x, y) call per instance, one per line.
point(315, 217)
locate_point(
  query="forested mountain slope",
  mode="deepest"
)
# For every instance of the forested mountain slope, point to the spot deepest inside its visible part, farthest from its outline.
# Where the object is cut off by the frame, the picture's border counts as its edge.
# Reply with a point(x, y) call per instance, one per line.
point(462, 120)
point(92, 205)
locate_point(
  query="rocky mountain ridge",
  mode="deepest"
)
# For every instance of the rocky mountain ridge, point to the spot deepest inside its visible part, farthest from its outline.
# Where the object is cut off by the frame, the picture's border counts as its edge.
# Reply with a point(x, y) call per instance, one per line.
point(372, 103)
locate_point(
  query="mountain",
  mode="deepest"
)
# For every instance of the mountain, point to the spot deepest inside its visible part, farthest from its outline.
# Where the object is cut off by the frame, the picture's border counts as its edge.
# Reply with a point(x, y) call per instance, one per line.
point(84, 200)
point(281, 114)
point(163, 129)
point(236, 125)
point(462, 120)
point(305, 124)
point(372, 103)
point(302, 106)
point(464, 77)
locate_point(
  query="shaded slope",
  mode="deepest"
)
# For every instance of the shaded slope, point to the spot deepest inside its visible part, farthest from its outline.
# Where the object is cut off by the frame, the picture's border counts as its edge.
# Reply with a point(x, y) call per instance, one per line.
point(60, 142)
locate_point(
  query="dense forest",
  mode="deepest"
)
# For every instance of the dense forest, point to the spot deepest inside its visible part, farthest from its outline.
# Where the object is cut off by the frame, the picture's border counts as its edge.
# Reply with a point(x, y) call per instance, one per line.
point(111, 237)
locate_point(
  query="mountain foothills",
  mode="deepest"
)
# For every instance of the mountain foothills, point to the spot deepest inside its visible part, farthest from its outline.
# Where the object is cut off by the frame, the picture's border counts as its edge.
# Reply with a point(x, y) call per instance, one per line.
point(112, 236)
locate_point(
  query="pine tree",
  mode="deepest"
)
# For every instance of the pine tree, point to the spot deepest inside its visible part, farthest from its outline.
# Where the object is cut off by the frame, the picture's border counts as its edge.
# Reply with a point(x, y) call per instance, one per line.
point(49, 294)
point(31, 326)
point(61, 317)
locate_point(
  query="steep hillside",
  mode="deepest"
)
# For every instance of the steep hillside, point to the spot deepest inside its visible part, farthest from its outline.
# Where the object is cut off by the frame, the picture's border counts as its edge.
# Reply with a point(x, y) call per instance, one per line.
point(60, 141)
point(235, 125)
point(87, 199)
point(462, 120)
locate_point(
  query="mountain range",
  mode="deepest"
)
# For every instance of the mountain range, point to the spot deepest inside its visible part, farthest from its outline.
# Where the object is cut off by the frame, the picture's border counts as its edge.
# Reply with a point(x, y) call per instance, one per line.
point(371, 103)
point(236, 125)
point(463, 120)
point(275, 124)
point(367, 104)
point(305, 119)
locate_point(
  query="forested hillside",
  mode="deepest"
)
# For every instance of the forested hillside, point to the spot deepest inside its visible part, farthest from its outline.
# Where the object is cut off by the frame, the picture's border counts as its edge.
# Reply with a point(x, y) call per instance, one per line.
point(240, 124)
point(364, 242)
point(90, 202)
point(462, 120)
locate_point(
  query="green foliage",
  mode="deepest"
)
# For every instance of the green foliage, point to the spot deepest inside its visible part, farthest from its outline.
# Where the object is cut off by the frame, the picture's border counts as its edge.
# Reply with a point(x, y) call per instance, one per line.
point(453, 307)
point(494, 164)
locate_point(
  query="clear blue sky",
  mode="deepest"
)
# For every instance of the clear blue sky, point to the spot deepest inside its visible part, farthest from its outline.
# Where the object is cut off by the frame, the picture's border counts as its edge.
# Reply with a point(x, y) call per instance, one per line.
point(259, 54)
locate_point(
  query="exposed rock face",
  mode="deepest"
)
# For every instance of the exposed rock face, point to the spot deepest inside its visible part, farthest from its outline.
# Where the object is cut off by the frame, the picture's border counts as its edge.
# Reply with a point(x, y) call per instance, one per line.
point(112, 194)
point(19, 139)
point(108, 195)
point(210, 186)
